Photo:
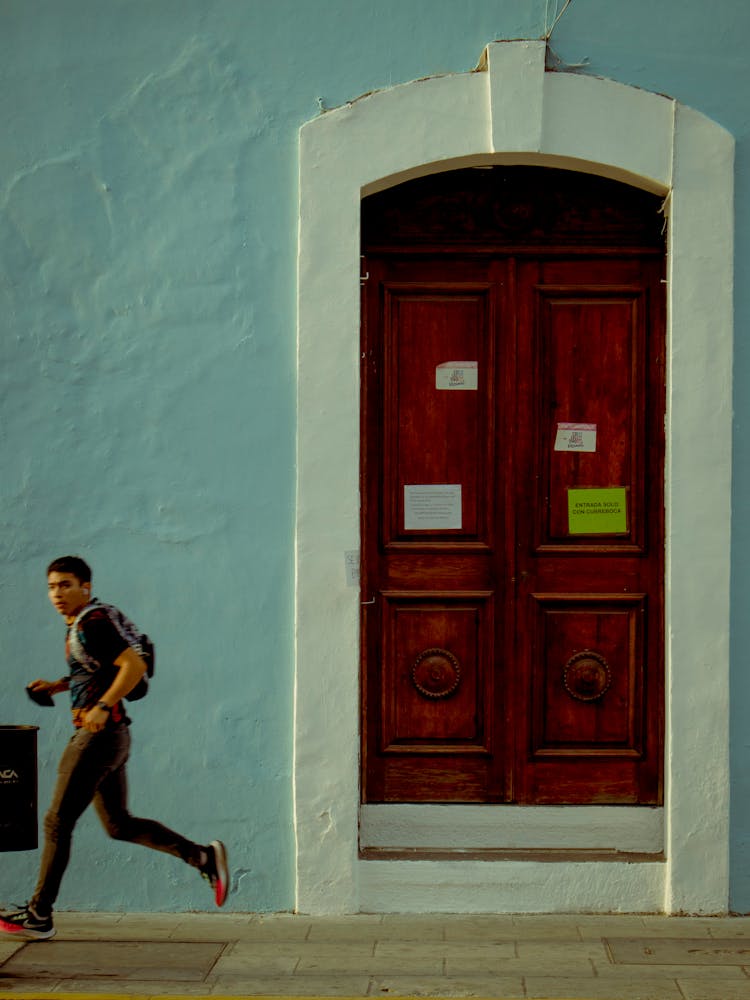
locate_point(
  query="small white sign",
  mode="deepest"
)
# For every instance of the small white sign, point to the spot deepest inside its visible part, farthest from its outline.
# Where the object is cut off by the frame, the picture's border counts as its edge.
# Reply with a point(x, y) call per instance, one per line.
point(457, 375)
point(351, 563)
point(434, 507)
point(576, 437)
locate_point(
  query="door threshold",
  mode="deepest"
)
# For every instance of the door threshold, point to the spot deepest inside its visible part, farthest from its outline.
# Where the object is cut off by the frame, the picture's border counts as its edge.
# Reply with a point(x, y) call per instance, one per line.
point(543, 855)
point(509, 829)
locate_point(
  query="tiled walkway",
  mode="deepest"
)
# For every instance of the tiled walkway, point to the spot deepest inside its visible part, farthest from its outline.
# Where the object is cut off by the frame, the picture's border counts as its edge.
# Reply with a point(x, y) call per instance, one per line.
point(592, 957)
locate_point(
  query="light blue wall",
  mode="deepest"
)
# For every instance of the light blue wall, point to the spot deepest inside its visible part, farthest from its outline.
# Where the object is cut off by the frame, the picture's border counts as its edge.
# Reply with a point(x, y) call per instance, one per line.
point(148, 185)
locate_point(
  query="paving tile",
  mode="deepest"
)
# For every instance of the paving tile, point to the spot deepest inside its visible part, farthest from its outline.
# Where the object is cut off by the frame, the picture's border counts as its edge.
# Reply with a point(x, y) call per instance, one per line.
point(673, 927)
point(209, 931)
point(347, 986)
point(355, 951)
point(344, 964)
point(8, 948)
point(416, 925)
point(328, 958)
point(361, 925)
point(124, 988)
point(115, 961)
point(459, 968)
point(30, 987)
point(679, 951)
point(386, 950)
point(446, 949)
point(261, 935)
point(607, 924)
point(239, 926)
point(720, 972)
point(547, 927)
point(244, 963)
point(283, 949)
point(106, 917)
point(276, 927)
point(563, 988)
point(564, 953)
point(698, 989)
point(114, 933)
point(731, 927)
point(553, 967)
point(507, 987)
point(114, 926)
point(482, 928)
point(72, 922)
point(283, 919)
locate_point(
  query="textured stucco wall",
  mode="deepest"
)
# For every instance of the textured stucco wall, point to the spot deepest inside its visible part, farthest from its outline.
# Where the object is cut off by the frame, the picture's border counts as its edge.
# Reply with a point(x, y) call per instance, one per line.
point(148, 192)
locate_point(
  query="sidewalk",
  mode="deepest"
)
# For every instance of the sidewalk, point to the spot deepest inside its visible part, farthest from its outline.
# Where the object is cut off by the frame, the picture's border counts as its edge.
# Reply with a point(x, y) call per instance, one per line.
point(190, 955)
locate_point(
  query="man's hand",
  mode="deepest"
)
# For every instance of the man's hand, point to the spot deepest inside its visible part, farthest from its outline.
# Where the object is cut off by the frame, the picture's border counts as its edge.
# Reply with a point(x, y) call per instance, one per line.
point(49, 687)
point(95, 719)
point(130, 669)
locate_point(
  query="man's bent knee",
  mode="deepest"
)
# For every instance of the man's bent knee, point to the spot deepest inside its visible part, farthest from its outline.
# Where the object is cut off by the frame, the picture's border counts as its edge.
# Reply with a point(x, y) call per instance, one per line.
point(119, 828)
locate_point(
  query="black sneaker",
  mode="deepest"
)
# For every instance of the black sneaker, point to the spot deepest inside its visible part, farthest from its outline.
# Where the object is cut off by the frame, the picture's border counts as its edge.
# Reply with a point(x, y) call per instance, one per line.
point(25, 923)
point(216, 872)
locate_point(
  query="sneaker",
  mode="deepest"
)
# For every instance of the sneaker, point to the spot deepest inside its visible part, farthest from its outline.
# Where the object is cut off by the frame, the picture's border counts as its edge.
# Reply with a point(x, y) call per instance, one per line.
point(25, 923)
point(216, 872)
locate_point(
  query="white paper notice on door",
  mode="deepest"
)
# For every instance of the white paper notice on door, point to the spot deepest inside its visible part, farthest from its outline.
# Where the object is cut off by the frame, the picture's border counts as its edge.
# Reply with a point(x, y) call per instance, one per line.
point(435, 507)
point(457, 375)
point(576, 437)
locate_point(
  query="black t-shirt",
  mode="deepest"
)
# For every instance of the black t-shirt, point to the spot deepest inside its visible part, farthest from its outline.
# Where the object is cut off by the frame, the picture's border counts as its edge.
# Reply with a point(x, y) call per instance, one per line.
point(103, 642)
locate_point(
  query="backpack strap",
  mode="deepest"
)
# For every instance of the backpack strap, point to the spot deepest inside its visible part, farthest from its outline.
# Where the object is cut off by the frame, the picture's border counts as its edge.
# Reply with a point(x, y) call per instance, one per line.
point(75, 642)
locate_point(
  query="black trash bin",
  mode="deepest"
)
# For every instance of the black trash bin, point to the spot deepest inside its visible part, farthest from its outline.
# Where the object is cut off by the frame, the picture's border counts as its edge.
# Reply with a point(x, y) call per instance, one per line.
point(18, 788)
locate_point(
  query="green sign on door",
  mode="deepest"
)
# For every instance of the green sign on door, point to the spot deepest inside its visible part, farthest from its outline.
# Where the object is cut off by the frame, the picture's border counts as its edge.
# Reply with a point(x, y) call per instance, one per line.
point(598, 511)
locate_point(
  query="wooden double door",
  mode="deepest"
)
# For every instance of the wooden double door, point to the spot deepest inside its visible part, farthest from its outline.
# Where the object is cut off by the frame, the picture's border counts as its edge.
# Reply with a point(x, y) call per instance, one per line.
point(512, 500)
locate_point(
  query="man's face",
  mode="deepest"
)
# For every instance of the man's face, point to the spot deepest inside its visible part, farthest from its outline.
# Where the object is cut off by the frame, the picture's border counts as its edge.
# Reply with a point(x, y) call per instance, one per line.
point(67, 593)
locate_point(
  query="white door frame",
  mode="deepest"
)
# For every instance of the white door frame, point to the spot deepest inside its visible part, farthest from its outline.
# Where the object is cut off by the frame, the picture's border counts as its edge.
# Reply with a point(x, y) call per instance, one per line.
point(511, 111)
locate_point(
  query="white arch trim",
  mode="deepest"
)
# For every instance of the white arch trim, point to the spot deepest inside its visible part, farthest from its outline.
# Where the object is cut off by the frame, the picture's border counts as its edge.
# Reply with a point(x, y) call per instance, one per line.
point(511, 111)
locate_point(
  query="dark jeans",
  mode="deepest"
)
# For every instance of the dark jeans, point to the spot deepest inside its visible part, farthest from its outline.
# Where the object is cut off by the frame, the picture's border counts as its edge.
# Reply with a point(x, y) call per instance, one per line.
point(92, 768)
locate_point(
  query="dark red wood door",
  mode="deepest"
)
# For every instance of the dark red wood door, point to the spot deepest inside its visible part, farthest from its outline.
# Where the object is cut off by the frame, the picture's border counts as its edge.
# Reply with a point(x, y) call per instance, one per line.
point(589, 532)
point(512, 526)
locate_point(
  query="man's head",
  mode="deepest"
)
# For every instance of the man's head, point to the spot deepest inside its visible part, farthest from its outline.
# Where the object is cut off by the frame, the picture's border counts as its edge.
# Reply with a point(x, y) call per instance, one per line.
point(69, 585)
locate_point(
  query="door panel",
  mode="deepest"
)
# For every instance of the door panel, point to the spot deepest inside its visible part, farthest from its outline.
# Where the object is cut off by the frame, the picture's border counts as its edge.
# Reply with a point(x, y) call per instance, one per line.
point(436, 697)
point(436, 436)
point(431, 733)
point(590, 360)
point(589, 615)
point(594, 704)
point(434, 652)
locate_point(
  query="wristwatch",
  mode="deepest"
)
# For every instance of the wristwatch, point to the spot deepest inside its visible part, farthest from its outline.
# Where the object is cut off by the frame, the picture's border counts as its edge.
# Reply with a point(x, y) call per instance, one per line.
point(104, 706)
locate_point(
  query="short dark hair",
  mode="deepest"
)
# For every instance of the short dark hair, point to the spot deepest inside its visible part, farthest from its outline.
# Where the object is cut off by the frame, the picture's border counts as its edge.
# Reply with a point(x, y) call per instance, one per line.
point(78, 567)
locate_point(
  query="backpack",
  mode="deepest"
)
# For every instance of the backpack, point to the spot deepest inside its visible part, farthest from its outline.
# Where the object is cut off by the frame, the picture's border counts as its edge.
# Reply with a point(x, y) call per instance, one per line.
point(137, 640)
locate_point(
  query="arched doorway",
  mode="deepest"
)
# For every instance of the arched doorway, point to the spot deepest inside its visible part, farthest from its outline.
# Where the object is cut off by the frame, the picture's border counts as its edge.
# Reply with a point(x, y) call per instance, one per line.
point(513, 385)
point(513, 112)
